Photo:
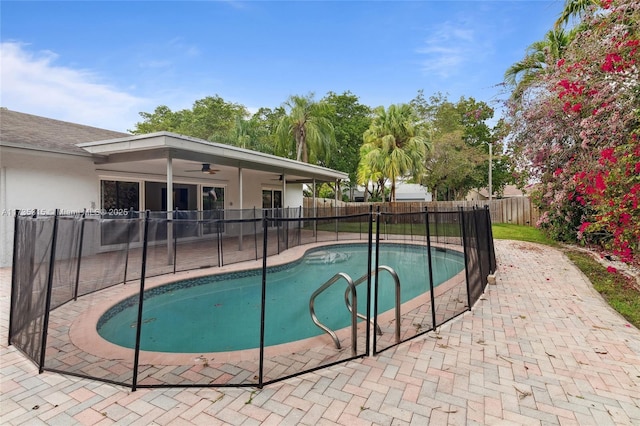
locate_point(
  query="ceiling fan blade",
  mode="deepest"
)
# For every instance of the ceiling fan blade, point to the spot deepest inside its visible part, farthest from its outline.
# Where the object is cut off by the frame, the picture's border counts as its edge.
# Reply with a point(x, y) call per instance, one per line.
point(206, 169)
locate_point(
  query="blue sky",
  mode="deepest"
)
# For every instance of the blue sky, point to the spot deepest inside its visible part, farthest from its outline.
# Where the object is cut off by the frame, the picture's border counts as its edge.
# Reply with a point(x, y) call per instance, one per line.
point(101, 63)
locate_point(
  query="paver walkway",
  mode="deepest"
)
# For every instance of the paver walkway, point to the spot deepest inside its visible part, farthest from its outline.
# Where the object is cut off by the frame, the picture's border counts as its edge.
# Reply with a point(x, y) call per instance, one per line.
point(540, 347)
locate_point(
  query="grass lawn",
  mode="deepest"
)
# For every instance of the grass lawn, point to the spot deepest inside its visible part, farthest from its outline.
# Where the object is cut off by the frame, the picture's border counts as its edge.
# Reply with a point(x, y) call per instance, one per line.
point(506, 231)
point(616, 288)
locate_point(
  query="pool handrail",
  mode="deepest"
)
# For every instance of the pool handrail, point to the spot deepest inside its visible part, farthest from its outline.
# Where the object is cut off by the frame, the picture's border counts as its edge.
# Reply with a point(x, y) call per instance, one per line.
point(354, 318)
point(362, 279)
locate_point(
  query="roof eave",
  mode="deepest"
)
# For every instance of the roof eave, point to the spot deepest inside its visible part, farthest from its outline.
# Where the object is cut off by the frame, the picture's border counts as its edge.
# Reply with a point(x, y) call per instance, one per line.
point(232, 155)
point(41, 149)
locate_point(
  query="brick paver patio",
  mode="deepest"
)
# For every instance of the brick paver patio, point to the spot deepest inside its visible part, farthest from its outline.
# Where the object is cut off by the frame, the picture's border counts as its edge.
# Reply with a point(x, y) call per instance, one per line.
point(540, 347)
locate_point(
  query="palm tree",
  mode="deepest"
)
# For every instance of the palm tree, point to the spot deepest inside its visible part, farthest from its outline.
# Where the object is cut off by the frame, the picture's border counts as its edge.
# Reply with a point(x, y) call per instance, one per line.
point(394, 145)
point(539, 56)
point(305, 130)
point(366, 175)
point(573, 8)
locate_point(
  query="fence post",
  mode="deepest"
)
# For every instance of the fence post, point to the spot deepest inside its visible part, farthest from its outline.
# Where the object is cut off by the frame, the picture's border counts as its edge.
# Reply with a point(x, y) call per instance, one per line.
point(285, 225)
point(277, 222)
point(483, 275)
point(52, 261)
point(143, 272)
point(14, 277)
point(175, 238)
point(369, 259)
point(335, 214)
point(300, 225)
point(75, 290)
point(430, 264)
point(220, 245)
point(489, 240)
point(466, 254)
point(376, 282)
point(255, 232)
point(265, 226)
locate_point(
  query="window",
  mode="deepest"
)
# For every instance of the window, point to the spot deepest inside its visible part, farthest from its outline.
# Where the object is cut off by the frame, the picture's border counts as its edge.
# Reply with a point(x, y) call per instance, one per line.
point(118, 199)
point(213, 208)
point(271, 199)
point(118, 195)
point(271, 202)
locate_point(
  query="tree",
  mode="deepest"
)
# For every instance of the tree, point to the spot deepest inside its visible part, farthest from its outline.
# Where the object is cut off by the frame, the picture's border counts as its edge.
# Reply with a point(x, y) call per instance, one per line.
point(305, 133)
point(264, 124)
point(367, 175)
point(539, 55)
point(211, 118)
point(576, 9)
point(161, 119)
point(350, 119)
point(459, 160)
point(395, 145)
point(449, 166)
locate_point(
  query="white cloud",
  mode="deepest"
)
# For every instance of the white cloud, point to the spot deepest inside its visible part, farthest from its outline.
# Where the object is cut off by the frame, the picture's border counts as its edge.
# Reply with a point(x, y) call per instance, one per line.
point(447, 49)
point(31, 82)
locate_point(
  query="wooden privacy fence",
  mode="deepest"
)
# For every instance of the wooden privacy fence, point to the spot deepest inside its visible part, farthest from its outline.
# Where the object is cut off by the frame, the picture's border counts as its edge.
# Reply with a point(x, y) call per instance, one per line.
point(518, 210)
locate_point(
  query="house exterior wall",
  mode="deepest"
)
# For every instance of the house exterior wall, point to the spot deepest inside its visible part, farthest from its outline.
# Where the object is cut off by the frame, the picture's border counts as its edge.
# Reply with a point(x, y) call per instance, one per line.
point(294, 196)
point(44, 181)
point(47, 181)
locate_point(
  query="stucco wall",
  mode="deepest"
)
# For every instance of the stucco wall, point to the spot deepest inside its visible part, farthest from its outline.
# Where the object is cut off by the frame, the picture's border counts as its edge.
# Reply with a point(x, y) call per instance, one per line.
point(44, 181)
point(294, 196)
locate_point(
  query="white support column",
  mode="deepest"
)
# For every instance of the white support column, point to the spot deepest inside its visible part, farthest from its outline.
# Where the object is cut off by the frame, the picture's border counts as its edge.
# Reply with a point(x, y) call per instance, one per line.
point(241, 191)
point(284, 189)
point(335, 204)
point(315, 211)
point(169, 210)
point(240, 188)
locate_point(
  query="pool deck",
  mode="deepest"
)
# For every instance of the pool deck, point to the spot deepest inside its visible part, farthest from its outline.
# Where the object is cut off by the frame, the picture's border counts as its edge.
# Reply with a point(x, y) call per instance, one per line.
point(540, 347)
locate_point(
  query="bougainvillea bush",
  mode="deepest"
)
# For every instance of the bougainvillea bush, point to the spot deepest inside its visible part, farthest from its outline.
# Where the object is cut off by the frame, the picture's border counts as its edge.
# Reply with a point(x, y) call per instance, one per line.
point(576, 131)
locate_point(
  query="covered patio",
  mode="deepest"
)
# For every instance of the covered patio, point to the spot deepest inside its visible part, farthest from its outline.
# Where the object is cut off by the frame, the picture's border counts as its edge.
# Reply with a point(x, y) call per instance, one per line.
point(248, 179)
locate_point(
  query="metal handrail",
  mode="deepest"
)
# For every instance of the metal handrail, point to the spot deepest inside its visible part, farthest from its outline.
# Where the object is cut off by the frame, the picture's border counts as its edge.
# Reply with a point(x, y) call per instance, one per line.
point(354, 318)
point(362, 279)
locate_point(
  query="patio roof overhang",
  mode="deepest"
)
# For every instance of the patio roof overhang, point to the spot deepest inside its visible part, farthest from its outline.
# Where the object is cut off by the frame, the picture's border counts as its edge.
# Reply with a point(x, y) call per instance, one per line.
point(185, 151)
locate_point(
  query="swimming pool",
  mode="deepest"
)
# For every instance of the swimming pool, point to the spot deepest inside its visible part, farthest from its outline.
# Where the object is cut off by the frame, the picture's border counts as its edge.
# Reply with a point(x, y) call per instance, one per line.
point(221, 313)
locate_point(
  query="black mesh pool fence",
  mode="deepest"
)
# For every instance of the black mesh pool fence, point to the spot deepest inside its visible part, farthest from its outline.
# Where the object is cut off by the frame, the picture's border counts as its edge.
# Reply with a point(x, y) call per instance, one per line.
point(237, 297)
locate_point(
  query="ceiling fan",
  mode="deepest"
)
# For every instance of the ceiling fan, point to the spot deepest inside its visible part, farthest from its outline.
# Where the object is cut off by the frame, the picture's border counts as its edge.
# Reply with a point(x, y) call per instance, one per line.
point(206, 169)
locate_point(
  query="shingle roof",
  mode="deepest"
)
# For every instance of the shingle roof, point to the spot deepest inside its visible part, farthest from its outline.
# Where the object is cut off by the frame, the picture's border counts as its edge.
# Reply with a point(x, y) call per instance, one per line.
point(32, 131)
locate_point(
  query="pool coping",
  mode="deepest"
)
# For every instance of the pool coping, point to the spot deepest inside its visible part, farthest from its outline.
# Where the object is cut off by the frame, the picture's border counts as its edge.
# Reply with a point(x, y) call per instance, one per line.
point(84, 335)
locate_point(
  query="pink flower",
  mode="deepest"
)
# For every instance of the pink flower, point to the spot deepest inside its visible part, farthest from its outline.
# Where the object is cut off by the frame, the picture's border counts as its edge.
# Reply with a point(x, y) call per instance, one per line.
point(607, 154)
point(612, 270)
point(600, 184)
point(610, 61)
point(625, 218)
